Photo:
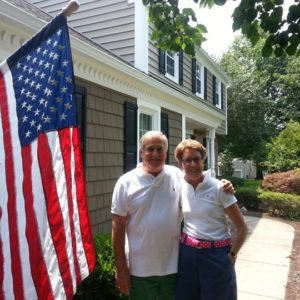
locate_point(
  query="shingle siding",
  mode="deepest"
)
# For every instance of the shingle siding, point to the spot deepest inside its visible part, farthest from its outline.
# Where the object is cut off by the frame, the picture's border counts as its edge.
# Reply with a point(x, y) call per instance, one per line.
point(104, 149)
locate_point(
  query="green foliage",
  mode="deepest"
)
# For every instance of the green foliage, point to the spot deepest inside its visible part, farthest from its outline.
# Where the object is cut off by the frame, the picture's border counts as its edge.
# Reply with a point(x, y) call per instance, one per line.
point(257, 18)
point(226, 165)
point(99, 285)
point(236, 182)
point(248, 197)
point(276, 204)
point(284, 150)
point(281, 204)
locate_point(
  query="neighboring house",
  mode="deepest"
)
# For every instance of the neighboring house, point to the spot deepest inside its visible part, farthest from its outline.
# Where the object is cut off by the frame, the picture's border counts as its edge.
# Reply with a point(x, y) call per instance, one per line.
point(244, 169)
point(124, 87)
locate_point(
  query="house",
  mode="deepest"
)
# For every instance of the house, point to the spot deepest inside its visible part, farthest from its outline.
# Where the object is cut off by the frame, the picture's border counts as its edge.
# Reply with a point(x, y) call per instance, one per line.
point(244, 168)
point(124, 87)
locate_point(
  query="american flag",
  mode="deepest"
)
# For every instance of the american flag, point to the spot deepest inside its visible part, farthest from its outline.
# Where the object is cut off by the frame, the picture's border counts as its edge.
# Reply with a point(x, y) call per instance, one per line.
point(46, 245)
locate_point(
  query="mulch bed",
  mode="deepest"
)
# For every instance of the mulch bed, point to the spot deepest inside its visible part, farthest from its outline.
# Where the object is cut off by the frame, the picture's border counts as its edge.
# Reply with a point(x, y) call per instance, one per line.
point(292, 291)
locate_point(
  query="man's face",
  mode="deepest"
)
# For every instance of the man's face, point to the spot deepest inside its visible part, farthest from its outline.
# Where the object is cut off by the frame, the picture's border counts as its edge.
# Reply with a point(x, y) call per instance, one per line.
point(153, 155)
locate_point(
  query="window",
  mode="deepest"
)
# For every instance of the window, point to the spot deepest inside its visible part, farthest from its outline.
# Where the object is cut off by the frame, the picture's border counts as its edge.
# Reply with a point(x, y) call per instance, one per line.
point(145, 123)
point(217, 92)
point(199, 80)
point(172, 65)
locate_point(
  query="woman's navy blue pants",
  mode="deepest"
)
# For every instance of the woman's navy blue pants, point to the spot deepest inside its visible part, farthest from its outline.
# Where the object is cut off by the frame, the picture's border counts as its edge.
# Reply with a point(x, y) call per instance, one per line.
point(205, 274)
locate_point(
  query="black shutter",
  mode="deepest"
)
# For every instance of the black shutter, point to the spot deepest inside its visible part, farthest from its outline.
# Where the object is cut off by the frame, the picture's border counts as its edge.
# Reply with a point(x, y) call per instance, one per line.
point(80, 93)
point(205, 83)
point(162, 61)
point(180, 75)
point(130, 136)
point(214, 90)
point(164, 125)
point(194, 65)
point(222, 95)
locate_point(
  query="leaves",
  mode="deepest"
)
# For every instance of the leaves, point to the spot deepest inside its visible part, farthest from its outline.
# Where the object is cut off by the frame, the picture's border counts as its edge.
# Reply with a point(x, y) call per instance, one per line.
point(255, 18)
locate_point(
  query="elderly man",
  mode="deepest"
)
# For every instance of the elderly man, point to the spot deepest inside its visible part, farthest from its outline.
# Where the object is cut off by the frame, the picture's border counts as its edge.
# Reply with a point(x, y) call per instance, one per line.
point(146, 224)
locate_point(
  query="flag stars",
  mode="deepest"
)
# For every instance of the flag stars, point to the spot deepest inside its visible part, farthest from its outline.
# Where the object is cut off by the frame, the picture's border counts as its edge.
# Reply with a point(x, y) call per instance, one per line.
point(36, 73)
point(32, 123)
point(53, 109)
point(68, 106)
point(69, 79)
point(29, 107)
point(47, 119)
point(24, 119)
point(55, 56)
point(65, 63)
point(54, 82)
point(37, 112)
point(59, 100)
point(63, 90)
point(63, 117)
point(28, 57)
point(28, 134)
point(47, 92)
point(46, 65)
point(60, 73)
point(49, 41)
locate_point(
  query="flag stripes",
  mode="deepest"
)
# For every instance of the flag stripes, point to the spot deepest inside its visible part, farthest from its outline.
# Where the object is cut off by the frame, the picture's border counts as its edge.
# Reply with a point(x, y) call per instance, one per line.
point(46, 245)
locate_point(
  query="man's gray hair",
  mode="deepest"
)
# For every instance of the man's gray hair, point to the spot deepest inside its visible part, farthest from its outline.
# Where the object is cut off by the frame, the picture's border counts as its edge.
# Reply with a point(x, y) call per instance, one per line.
point(154, 134)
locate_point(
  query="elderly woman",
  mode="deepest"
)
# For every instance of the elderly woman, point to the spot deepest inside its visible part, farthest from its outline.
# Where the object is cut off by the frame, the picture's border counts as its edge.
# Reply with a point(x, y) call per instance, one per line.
point(207, 250)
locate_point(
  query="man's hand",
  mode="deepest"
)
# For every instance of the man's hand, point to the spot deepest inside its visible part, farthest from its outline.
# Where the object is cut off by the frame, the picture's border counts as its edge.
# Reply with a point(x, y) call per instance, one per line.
point(227, 186)
point(122, 282)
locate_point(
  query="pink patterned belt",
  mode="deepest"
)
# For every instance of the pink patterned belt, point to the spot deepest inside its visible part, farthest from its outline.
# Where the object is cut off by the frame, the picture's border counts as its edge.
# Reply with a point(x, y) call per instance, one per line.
point(203, 244)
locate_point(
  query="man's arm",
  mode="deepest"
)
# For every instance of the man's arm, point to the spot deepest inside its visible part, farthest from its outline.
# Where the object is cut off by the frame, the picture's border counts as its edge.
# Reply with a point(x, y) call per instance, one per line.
point(122, 276)
point(227, 186)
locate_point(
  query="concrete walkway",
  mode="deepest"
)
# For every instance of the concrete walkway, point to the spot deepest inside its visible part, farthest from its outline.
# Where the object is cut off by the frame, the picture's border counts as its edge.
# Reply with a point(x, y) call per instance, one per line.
point(263, 263)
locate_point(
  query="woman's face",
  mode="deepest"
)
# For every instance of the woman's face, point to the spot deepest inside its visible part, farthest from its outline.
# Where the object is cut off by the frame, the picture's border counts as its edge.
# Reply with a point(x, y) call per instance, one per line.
point(192, 164)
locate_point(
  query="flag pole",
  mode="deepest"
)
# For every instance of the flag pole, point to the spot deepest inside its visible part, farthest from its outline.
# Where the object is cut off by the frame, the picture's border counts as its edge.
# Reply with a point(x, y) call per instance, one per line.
point(71, 7)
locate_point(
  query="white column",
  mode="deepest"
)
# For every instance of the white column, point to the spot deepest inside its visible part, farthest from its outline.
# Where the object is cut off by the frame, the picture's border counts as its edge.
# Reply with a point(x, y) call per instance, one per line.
point(212, 136)
point(183, 127)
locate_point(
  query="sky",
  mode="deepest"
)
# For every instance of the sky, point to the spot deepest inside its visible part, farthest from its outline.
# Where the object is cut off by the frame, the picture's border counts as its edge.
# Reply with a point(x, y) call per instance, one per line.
point(218, 23)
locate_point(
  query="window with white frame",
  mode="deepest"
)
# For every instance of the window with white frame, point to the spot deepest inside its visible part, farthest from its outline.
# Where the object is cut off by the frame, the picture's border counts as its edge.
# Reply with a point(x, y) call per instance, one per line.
point(148, 117)
point(218, 93)
point(172, 66)
point(199, 80)
point(145, 122)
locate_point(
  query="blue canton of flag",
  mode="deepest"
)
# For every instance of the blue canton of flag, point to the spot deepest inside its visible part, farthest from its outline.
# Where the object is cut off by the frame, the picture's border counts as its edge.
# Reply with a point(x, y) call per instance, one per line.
point(43, 84)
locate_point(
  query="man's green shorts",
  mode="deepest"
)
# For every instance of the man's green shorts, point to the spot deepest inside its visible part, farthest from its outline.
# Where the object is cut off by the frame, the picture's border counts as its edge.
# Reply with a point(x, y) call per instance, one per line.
point(153, 287)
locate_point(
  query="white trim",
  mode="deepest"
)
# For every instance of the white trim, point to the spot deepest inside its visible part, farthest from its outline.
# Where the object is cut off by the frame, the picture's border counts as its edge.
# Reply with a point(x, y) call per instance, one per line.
point(219, 90)
point(141, 33)
point(201, 66)
point(175, 58)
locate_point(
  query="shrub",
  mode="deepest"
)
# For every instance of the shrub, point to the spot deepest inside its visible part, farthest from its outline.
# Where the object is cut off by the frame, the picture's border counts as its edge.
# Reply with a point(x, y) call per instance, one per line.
point(284, 182)
point(248, 197)
point(236, 182)
point(281, 204)
point(99, 285)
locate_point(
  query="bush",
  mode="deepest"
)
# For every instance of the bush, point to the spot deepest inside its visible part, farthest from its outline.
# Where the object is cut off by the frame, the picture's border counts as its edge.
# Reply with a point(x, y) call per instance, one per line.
point(248, 197)
point(236, 182)
point(280, 204)
point(284, 182)
point(99, 285)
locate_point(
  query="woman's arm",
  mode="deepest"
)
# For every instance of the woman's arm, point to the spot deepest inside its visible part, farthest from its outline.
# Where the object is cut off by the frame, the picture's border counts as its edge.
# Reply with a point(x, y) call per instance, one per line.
point(234, 213)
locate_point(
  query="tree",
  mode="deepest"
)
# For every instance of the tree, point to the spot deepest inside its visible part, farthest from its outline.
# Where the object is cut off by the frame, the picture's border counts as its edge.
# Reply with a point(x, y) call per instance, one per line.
point(173, 30)
point(284, 149)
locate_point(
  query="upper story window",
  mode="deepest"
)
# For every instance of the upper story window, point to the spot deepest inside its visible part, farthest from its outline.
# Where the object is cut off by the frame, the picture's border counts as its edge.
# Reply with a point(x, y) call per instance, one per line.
point(199, 80)
point(172, 66)
point(217, 92)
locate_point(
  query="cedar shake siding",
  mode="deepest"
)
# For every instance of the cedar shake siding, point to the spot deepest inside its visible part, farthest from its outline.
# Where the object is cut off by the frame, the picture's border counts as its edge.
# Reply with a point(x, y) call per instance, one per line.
point(104, 161)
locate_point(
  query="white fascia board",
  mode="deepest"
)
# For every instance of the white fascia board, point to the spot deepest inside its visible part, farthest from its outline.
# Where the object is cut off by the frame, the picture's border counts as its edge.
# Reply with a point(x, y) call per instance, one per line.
point(214, 68)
